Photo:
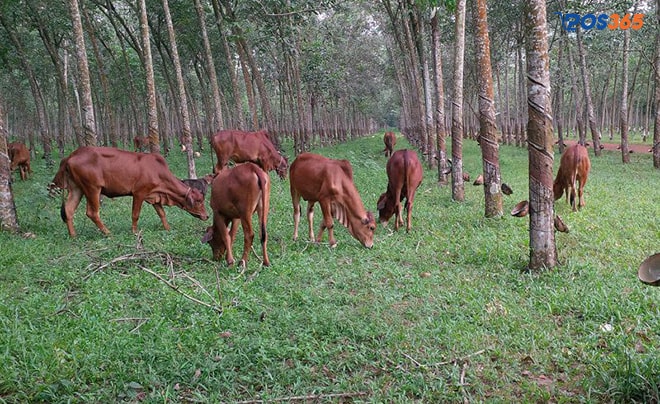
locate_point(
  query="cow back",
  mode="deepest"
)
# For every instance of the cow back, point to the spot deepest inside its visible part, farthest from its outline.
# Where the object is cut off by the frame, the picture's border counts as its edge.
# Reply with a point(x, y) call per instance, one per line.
point(256, 147)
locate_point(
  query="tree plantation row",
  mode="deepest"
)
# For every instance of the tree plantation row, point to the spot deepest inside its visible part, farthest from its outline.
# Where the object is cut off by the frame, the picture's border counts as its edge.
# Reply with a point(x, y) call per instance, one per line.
point(87, 72)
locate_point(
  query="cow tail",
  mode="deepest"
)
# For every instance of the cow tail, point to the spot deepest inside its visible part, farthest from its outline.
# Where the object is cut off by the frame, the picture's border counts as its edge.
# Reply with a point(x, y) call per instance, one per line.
point(264, 186)
point(574, 173)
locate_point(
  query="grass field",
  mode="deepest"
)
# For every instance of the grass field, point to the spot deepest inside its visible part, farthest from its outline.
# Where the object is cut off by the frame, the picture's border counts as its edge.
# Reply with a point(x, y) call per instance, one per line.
point(442, 314)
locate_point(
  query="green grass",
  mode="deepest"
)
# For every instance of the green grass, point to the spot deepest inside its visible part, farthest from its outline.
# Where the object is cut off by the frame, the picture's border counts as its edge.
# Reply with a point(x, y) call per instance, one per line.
point(441, 314)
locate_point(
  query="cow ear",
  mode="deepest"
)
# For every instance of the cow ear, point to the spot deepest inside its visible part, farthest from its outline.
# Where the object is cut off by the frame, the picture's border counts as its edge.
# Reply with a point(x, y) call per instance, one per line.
point(208, 236)
point(381, 202)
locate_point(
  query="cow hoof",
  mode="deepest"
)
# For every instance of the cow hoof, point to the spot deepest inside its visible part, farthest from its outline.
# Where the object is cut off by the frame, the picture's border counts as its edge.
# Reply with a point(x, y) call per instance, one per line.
point(242, 263)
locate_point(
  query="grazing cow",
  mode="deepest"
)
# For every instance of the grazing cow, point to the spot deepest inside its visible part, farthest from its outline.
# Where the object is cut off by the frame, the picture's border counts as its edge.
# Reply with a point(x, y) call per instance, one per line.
point(19, 155)
point(572, 175)
point(141, 143)
point(330, 183)
point(404, 174)
point(200, 184)
point(240, 146)
point(95, 171)
point(390, 141)
point(235, 195)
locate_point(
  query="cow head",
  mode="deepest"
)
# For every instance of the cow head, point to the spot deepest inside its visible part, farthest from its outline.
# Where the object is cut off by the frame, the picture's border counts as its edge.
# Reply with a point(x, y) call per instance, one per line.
point(194, 204)
point(283, 167)
point(364, 231)
point(558, 189)
point(385, 208)
point(217, 246)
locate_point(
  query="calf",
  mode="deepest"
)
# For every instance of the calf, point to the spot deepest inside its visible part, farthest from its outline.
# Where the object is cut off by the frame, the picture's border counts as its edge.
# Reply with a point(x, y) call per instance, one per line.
point(404, 174)
point(95, 171)
point(140, 143)
point(330, 183)
point(240, 146)
point(19, 155)
point(390, 141)
point(235, 195)
point(200, 184)
point(572, 175)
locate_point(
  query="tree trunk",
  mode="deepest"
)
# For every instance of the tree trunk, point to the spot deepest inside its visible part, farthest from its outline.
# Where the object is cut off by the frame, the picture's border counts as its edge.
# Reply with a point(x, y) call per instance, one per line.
point(106, 106)
point(559, 104)
point(8, 217)
point(210, 67)
point(543, 251)
point(85, 87)
point(439, 116)
point(574, 92)
point(595, 134)
point(239, 122)
point(623, 118)
point(458, 186)
point(34, 88)
point(187, 136)
point(152, 107)
point(487, 127)
point(656, 128)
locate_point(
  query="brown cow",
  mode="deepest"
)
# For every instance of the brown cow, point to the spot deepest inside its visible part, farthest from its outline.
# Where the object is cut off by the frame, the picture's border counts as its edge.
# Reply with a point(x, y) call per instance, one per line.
point(140, 143)
point(330, 183)
point(572, 175)
point(19, 155)
point(95, 171)
point(240, 146)
point(390, 141)
point(200, 184)
point(404, 173)
point(235, 195)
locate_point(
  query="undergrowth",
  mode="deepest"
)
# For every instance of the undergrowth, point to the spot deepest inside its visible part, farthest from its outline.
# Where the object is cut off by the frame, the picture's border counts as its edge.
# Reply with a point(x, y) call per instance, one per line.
point(444, 313)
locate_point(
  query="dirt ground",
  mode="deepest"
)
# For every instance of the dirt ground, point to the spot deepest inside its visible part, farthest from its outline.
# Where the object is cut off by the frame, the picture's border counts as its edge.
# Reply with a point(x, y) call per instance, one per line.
point(634, 148)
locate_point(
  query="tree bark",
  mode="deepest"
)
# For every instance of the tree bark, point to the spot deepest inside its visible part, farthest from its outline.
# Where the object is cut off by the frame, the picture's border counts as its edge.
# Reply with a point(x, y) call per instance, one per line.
point(8, 217)
point(85, 87)
point(487, 127)
point(185, 118)
point(439, 116)
point(458, 186)
point(152, 107)
point(543, 251)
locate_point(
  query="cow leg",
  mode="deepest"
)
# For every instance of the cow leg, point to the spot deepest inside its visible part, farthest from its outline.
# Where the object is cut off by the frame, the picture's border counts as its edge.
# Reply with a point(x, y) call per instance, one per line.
point(69, 207)
point(223, 231)
point(295, 198)
point(409, 205)
point(397, 210)
point(234, 229)
point(327, 223)
point(310, 222)
point(263, 220)
point(93, 206)
point(581, 193)
point(159, 210)
point(248, 239)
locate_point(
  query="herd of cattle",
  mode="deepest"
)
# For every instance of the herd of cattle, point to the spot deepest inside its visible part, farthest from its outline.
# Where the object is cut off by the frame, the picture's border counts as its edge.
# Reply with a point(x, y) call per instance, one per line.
point(238, 192)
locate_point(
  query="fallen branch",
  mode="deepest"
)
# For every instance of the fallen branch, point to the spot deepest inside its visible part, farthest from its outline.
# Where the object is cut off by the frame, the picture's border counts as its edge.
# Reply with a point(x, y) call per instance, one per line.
point(176, 289)
point(313, 397)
